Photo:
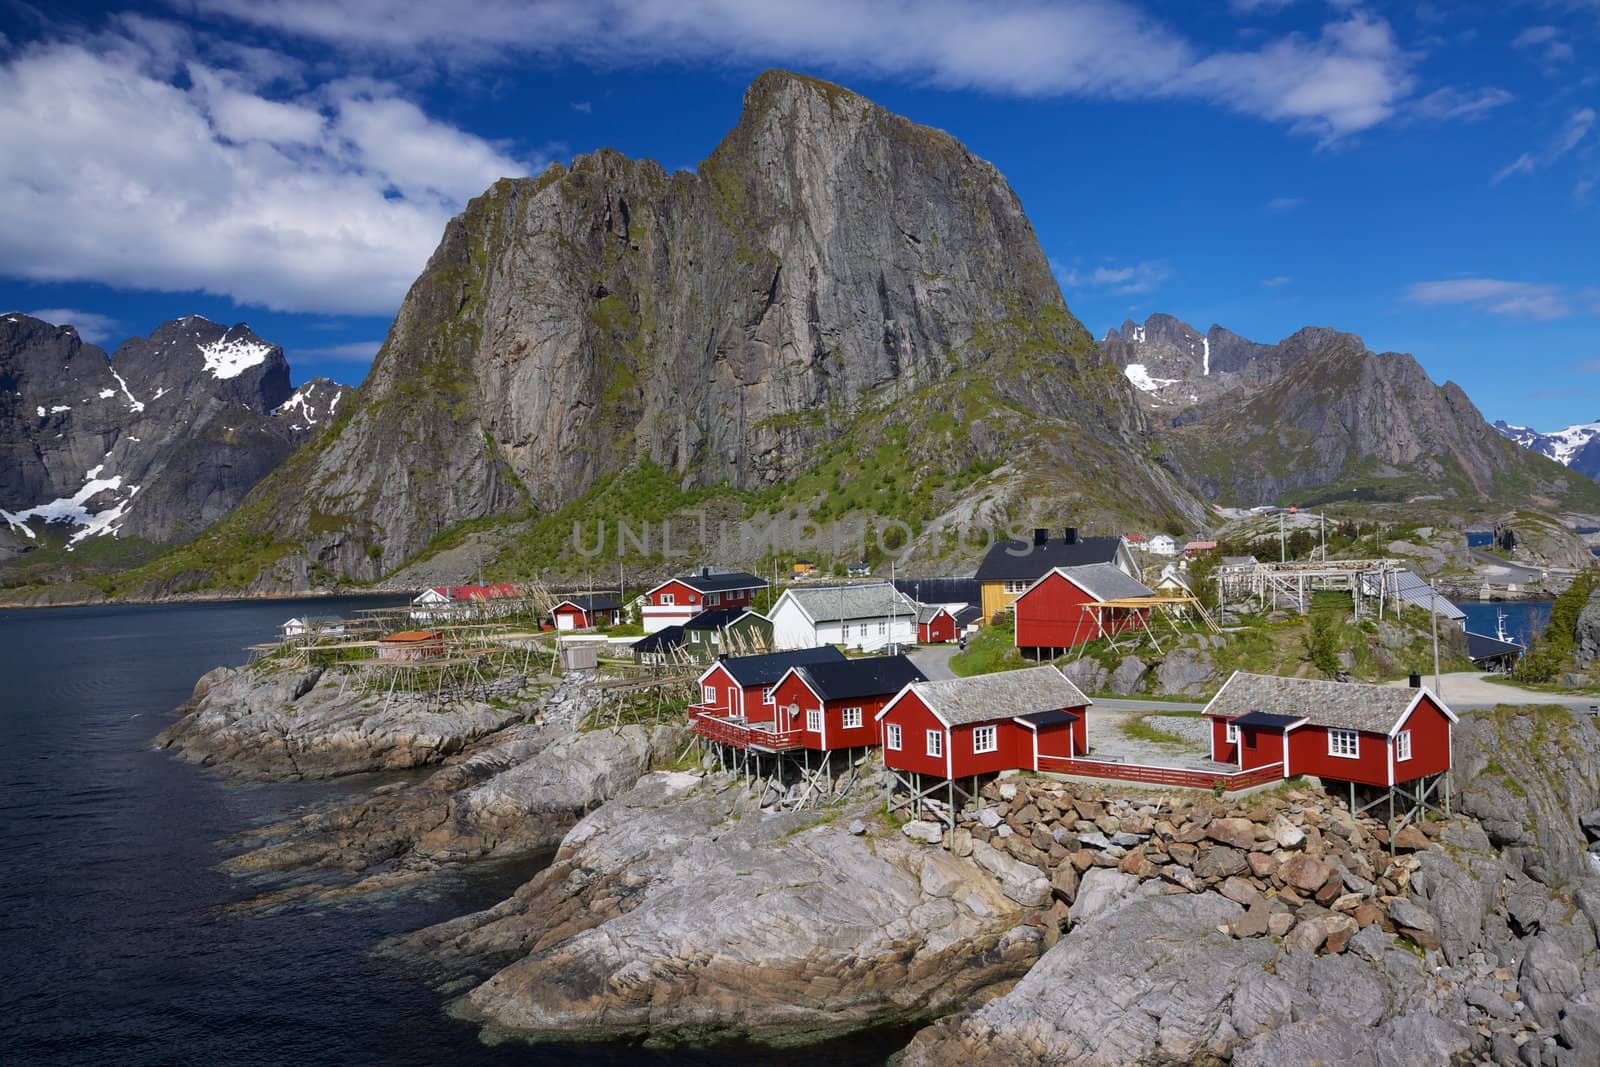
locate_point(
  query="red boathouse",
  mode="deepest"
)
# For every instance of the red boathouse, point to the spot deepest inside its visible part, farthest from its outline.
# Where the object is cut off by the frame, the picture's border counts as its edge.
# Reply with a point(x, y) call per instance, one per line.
point(1369, 735)
point(583, 612)
point(1068, 607)
point(835, 705)
point(935, 624)
point(736, 700)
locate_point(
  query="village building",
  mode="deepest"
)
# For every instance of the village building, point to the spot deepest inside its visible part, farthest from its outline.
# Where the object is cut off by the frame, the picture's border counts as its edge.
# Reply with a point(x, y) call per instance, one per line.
point(1401, 586)
point(446, 602)
point(659, 647)
point(411, 646)
point(1162, 545)
point(865, 617)
point(734, 631)
point(1377, 736)
point(804, 568)
point(1010, 567)
point(1493, 653)
point(835, 705)
point(313, 626)
point(1068, 606)
point(936, 624)
point(738, 689)
point(1172, 581)
point(858, 570)
point(1199, 548)
point(586, 612)
point(966, 728)
point(677, 600)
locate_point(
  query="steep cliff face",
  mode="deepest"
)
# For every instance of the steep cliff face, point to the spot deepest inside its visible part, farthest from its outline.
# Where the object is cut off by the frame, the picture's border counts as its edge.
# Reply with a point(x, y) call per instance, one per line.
point(156, 442)
point(829, 262)
point(1342, 423)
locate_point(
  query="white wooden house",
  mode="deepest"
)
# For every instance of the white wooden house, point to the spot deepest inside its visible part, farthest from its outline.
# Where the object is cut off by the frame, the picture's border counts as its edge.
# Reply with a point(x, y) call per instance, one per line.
point(865, 617)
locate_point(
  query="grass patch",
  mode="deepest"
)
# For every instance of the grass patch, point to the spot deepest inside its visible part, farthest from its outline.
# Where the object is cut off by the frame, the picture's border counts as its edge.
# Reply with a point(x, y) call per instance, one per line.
point(1139, 730)
point(992, 649)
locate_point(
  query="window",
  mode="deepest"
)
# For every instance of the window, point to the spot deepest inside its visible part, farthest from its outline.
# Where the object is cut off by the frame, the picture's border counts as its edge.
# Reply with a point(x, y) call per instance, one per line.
point(713, 598)
point(1343, 743)
point(1016, 587)
point(891, 737)
point(935, 743)
point(1402, 745)
point(883, 627)
point(985, 739)
point(766, 695)
point(668, 599)
point(709, 692)
point(691, 598)
point(852, 718)
point(1232, 734)
point(814, 720)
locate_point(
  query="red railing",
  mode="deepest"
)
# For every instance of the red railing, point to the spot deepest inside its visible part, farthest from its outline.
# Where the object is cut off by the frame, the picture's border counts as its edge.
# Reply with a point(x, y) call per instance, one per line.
point(1174, 776)
point(741, 734)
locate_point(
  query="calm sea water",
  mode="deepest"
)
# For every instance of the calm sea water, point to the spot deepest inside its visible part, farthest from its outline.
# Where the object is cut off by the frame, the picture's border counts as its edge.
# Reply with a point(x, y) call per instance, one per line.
point(116, 942)
point(1524, 618)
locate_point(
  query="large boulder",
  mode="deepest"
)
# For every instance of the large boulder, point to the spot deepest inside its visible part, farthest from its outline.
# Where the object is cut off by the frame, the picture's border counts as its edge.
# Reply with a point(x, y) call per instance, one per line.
point(1183, 671)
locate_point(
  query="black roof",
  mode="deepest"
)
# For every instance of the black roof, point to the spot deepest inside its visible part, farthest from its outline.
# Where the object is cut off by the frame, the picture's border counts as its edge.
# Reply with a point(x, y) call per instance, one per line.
point(1481, 646)
point(874, 676)
point(714, 619)
point(968, 615)
point(1049, 718)
point(664, 638)
point(941, 590)
point(598, 602)
point(1267, 719)
point(768, 668)
point(1026, 561)
point(717, 583)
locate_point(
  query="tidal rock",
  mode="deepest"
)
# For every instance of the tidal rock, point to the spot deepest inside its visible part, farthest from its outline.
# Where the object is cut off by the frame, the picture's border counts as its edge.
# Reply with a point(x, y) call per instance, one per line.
point(1021, 882)
point(679, 907)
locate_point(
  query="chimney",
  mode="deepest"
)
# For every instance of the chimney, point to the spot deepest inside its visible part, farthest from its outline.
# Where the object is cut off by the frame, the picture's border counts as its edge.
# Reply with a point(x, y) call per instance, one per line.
point(1416, 681)
point(1071, 535)
point(705, 572)
point(1040, 536)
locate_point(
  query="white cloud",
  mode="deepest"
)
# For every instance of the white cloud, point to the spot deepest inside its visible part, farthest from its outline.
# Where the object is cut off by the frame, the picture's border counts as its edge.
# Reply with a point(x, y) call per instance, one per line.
point(1276, 280)
point(1281, 204)
point(583, 107)
point(1468, 105)
point(1349, 76)
point(1142, 277)
point(351, 352)
point(1520, 300)
point(93, 327)
point(1256, 7)
point(1547, 43)
point(134, 159)
point(1571, 134)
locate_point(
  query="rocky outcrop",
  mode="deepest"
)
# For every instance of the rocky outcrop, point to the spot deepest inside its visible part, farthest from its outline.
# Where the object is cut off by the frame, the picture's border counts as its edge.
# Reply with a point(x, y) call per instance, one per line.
point(282, 723)
point(1586, 636)
point(155, 442)
point(830, 275)
point(681, 909)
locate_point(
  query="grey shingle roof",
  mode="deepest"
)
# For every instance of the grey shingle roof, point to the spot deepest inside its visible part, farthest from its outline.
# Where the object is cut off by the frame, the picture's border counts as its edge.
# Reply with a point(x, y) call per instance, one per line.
point(927, 612)
point(835, 602)
point(1005, 695)
point(1346, 705)
point(1105, 582)
point(1413, 590)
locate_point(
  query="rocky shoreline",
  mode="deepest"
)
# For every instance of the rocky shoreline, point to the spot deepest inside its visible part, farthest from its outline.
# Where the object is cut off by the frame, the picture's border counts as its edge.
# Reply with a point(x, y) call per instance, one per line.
point(1067, 924)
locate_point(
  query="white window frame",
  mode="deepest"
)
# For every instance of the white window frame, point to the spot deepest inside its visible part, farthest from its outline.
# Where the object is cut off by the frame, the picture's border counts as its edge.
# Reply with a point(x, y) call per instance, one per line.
point(669, 600)
point(891, 737)
point(766, 694)
point(1336, 743)
point(1015, 587)
point(883, 627)
point(1402, 746)
point(708, 694)
point(713, 598)
point(1231, 734)
point(813, 720)
point(985, 739)
point(936, 743)
point(852, 718)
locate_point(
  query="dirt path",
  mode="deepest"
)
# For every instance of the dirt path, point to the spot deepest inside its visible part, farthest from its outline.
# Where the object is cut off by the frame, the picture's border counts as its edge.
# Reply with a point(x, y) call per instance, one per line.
point(1470, 689)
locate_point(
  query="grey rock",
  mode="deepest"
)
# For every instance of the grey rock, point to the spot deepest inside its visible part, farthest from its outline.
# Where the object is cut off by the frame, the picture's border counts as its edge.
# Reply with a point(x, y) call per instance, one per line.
point(1184, 670)
point(1220, 862)
point(929, 833)
point(1124, 839)
point(1095, 840)
point(1102, 890)
point(857, 827)
point(1127, 675)
point(1021, 882)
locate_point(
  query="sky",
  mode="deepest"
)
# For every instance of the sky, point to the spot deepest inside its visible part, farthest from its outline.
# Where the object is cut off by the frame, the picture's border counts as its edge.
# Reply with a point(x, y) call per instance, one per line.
point(1425, 175)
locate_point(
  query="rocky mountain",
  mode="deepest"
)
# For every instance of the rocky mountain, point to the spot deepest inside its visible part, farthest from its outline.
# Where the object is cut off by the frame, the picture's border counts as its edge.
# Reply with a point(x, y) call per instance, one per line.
point(1577, 447)
point(153, 443)
point(833, 276)
point(1339, 422)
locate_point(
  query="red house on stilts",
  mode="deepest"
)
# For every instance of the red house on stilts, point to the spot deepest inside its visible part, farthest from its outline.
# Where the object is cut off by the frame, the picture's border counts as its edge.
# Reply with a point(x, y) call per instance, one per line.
point(836, 705)
point(1067, 606)
point(1378, 737)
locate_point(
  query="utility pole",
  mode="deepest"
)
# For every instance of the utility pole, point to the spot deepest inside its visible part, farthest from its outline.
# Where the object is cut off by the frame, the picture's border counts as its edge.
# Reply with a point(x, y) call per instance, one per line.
point(1324, 518)
point(1433, 611)
point(1283, 550)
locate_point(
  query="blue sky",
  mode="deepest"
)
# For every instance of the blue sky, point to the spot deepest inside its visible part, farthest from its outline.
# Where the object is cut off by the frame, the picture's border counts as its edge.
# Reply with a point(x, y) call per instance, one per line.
point(1426, 176)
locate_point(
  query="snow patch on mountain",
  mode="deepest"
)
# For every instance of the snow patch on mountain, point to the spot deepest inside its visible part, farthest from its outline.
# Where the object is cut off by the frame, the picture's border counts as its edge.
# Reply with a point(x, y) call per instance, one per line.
point(1141, 379)
point(74, 509)
point(1561, 445)
point(228, 359)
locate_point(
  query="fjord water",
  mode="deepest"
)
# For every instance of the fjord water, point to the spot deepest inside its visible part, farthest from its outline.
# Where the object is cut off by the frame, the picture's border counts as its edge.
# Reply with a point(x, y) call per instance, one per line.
point(1525, 619)
point(116, 934)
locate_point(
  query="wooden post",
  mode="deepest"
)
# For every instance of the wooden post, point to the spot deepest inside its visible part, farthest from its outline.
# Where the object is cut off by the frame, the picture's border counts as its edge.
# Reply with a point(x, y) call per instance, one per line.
point(1352, 798)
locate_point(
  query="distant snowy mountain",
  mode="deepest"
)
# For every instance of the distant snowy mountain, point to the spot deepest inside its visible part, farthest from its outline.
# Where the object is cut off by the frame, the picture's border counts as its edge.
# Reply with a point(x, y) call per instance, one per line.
point(155, 442)
point(1577, 446)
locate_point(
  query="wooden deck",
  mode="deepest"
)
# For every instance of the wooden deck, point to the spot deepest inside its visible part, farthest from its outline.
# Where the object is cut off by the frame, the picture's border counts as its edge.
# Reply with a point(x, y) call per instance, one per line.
point(757, 736)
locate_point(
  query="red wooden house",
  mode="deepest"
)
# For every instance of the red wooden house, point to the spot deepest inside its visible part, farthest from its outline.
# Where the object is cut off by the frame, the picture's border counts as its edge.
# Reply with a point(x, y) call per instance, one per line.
point(1374, 735)
point(736, 693)
point(583, 612)
point(835, 705)
point(1063, 609)
point(964, 727)
point(935, 624)
point(677, 600)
